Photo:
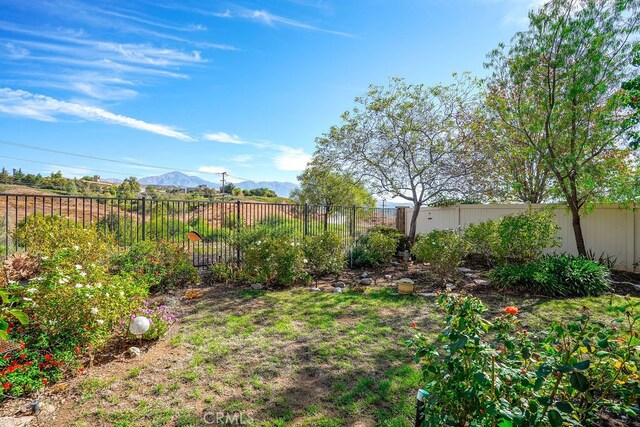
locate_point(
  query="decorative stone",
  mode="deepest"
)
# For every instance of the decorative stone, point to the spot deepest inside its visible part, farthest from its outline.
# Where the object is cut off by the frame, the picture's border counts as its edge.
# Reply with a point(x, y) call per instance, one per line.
point(471, 275)
point(366, 281)
point(428, 294)
point(464, 270)
point(451, 288)
point(315, 290)
point(406, 280)
point(637, 287)
point(406, 256)
point(134, 351)
point(15, 421)
point(364, 275)
point(139, 325)
point(481, 282)
point(338, 285)
point(337, 290)
point(388, 277)
point(256, 286)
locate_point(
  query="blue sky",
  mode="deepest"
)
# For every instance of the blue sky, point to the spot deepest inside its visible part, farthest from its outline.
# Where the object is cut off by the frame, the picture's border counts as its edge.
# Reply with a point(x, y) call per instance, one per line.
point(207, 86)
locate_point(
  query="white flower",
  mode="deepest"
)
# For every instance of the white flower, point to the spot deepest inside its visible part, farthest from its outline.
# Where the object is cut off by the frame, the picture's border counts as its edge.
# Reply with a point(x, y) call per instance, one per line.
point(121, 293)
point(12, 282)
point(63, 280)
point(98, 285)
point(89, 296)
point(78, 267)
point(107, 295)
point(78, 285)
point(27, 299)
point(82, 273)
point(94, 311)
point(305, 260)
point(76, 247)
point(44, 258)
point(258, 242)
point(32, 290)
point(100, 321)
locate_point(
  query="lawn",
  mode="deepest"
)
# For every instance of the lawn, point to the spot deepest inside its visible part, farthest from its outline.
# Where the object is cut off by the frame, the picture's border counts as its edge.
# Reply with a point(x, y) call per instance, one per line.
point(288, 357)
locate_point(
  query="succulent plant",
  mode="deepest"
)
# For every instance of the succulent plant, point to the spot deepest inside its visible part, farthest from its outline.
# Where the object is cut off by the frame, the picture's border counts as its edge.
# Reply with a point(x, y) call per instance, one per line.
point(21, 266)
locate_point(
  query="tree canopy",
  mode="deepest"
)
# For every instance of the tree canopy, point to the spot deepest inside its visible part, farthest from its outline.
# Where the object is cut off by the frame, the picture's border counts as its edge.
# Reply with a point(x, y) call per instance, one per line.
point(320, 185)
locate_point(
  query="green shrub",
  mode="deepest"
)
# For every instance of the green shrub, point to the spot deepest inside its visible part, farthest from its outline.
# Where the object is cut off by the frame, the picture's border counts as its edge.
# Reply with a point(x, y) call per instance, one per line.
point(515, 238)
point(271, 255)
point(323, 254)
point(495, 373)
point(442, 249)
point(402, 240)
point(555, 275)
point(46, 236)
point(373, 249)
point(220, 273)
point(163, 265)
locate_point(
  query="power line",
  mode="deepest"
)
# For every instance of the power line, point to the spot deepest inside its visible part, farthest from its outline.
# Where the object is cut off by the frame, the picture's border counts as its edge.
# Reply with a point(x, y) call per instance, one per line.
point(65, 166)
point(124, 162)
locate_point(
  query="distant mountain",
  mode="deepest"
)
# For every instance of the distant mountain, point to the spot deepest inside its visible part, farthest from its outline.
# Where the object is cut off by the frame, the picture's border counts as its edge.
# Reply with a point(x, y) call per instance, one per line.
point(282, 189)
point(179, 179)
point(111, 180)
point(176, 179)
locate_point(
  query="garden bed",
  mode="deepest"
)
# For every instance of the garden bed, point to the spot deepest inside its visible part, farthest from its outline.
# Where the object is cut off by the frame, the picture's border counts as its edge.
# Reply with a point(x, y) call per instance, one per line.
point(281, 357)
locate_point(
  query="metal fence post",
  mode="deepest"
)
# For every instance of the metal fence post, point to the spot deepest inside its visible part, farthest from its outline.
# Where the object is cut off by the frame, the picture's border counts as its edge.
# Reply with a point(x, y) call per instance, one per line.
point(353, 222)
point(306, 219)
point(238, 227)
point(144, 218)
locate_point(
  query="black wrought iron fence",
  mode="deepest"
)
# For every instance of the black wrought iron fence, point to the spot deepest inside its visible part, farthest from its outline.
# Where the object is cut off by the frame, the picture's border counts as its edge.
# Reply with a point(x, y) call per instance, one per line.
point(218, 223)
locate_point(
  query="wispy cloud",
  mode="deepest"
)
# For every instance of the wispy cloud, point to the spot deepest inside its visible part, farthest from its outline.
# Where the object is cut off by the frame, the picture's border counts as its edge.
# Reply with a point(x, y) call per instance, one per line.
point(224, 138)
point(44, 108)
point(273, 20)
point(212, 169)
point(290, 159)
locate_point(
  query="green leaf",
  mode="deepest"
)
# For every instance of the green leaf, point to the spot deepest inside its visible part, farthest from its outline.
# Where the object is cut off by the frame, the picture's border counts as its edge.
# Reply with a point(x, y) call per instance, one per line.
point(4, 335)
point(564, 368)
point(555, 418)
point(582, 365)
point(579, 381)
point(526, 353)
point(564, 407)
point(22, 318)
point(462, 341)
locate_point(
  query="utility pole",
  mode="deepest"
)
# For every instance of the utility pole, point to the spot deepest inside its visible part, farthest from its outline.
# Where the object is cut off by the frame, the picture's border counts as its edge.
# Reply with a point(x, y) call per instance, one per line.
point(222, 188)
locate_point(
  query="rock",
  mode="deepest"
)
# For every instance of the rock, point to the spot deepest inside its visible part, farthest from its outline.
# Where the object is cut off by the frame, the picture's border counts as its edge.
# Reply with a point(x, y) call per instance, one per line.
point(388, 277)
point(338, 285)
point(193, 294)
point(451, 288)
point(366, 281)
point(428, 294)
point(364, 275)
point(35, 407)
point(15, 421)
point(396, 263)
point(134, 351)
point(406, 280)
point(481, 282)
point(637, 287)
point(256, 286)
point(337, 290)
point(406, 256)
point(315, 290)
point(464, 270)
point(471, 275)
point(59, 387)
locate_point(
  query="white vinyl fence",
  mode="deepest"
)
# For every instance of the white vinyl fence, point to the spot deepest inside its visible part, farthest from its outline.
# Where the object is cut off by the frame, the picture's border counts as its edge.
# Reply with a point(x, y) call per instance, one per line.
point(609, 230)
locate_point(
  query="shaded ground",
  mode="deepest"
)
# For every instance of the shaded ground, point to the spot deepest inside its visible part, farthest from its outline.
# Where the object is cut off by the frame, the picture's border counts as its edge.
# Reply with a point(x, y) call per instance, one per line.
point(288, 357)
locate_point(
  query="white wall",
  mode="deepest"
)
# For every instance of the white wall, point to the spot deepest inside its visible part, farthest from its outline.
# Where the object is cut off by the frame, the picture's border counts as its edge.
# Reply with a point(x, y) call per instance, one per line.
point(609, 229)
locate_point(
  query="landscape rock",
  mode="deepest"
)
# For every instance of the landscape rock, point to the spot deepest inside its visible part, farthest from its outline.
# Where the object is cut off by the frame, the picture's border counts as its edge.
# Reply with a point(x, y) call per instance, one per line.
point(471, 275)
point(428, 294)
point(366, 281)
point(364, 275)
point(337, 290)
point(388, 276)
point(256, 286)
point(637, 287)
point(15, 421)
point(464, 270)
point(315, 290)
point(451, 288)
point(338, 285)
point(134, 351)
point(481, 282)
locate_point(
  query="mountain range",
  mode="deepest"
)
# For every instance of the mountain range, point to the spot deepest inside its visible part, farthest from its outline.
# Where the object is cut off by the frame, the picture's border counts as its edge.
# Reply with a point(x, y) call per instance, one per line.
point(179, 179)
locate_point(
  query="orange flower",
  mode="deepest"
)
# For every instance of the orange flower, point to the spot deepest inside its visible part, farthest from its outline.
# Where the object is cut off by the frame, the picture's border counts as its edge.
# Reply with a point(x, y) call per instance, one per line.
point(44, 381)
point(414, 324)
point(511, 310)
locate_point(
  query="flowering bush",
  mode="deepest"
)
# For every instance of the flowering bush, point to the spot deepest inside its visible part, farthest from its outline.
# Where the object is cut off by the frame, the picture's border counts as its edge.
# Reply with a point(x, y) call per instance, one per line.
point(272, 255)
point(443, 249)
point(46, 236)
point(485, 373)
point(161, 319)
point(374, 249)
point(323, 253)
point(163, 265)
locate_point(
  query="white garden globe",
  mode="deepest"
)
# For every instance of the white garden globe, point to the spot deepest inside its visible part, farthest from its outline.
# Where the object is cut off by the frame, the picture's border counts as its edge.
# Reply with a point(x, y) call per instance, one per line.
point(139, 325)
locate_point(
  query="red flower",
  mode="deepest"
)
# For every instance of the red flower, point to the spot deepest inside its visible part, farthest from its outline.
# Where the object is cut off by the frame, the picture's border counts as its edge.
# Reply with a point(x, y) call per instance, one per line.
point(22, 356)
point(47, 357)
point(44, 381)
point(21, 345)
point(511, 310)
point(6, 386)
point(414, 324)
point(77, 350)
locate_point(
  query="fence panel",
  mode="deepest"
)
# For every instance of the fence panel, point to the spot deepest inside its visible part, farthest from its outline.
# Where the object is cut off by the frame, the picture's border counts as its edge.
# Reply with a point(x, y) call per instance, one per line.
point(217, 222)
point(609, 230)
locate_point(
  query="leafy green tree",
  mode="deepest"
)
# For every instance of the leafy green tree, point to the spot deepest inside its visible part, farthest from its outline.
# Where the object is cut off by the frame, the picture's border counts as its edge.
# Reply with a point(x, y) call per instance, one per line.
point(320, 185)
point(553, 91)
point(128, 189)
point(228, 188)
point(409, 141)
point(5, 178)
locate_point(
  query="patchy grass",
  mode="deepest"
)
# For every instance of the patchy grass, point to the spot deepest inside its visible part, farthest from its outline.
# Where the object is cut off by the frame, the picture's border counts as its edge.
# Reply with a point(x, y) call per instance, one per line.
point(284, 358)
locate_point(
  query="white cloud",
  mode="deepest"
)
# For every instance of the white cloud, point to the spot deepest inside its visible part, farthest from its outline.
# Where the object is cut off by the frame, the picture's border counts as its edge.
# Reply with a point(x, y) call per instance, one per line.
point(224, 138)
point(272, 20)
point(517, 15)
point(45, 108)
point(242, 159)
point(291, 159)
point(211, 169)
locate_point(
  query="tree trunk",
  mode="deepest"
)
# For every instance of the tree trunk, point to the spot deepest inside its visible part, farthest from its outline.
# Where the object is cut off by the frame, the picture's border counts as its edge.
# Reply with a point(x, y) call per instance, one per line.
point(577, 230)
point(413, 223)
